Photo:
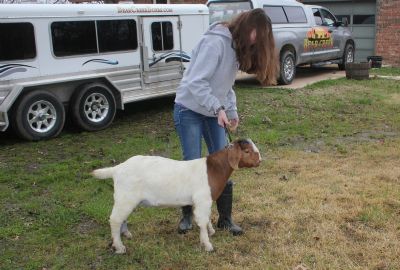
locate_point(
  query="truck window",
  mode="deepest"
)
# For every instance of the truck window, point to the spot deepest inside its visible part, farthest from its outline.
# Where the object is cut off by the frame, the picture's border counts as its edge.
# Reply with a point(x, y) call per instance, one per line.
point(295, 14)
point(276, 14)
point(341, 17)
point(225, 11)
point(328, 18)
point(162, 36)
point(317, 16)
point(73, 38)
point(17, 41)
point(117, 35)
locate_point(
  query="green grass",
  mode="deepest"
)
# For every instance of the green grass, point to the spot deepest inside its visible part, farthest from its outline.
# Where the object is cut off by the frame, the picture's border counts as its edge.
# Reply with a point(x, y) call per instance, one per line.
point(327, 195)
point(385, 71)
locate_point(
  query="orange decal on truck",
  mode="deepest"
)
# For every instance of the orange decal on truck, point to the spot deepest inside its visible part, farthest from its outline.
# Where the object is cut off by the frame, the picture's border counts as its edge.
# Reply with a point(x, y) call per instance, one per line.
point(318, 37)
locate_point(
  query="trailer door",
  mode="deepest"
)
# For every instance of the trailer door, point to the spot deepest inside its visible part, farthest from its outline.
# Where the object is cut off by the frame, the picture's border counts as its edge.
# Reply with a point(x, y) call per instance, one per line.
point(161, 49)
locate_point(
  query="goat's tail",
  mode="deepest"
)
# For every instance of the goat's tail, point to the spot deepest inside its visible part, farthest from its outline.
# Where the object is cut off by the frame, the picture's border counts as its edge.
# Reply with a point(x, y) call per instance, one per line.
point(104, 173)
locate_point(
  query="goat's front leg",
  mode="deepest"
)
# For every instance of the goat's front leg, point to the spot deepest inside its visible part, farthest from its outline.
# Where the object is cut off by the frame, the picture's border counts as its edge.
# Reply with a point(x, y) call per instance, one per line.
point(202, 212)
point(211, 230)
point(204, 238)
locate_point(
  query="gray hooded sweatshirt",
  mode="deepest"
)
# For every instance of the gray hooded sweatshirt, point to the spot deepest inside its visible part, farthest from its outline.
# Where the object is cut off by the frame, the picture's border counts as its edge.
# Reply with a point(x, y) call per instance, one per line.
point(207, 83)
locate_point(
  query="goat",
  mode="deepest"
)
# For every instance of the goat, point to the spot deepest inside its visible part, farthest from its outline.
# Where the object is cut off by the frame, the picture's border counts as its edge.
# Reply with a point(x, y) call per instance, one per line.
point(159, 181)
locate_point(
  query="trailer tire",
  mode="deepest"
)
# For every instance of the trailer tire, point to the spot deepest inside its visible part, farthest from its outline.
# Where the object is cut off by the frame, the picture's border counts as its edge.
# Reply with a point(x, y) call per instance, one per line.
point(348, 56)
point(93, 107)
point(287, 70)
point(38, 115)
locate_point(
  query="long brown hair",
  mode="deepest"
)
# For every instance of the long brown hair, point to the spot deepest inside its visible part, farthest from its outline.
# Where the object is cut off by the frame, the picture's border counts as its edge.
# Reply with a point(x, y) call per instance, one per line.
point(259, 58)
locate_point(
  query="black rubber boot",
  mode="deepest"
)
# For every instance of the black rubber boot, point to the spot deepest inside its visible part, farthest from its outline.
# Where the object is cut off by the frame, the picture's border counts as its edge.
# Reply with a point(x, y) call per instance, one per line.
point(224, 206)
point(186, 222)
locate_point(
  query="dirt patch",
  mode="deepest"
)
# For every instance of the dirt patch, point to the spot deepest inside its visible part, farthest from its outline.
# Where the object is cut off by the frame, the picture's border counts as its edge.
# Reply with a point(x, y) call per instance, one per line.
point(353, 231)
point(393, 100)
point(87, 226)
point(366, 136)
point(32, 167)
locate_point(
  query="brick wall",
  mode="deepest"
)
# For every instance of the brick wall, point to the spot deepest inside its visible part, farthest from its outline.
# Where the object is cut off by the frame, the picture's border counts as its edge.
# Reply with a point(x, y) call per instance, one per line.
point(388, 31)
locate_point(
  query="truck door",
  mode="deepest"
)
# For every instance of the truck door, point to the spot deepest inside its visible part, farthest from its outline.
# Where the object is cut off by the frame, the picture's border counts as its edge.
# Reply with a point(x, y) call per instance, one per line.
point(161, 49)
point(325, 38)
point(335, 30)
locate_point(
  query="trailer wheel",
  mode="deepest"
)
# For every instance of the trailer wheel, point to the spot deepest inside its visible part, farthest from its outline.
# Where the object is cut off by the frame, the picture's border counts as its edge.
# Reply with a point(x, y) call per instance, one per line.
point(93, 107)
point(38, 115)
point(287, 69)
point(348, 56)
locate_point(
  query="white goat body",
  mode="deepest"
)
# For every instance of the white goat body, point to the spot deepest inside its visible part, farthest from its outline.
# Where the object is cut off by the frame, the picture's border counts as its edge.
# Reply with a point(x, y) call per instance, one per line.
point(158, 181)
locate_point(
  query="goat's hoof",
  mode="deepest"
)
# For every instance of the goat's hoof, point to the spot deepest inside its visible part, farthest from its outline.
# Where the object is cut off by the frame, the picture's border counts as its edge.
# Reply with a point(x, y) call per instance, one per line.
point(127, 234)
point(180, 231)
point(119, 249)
point(211, 232)
point(209, 248)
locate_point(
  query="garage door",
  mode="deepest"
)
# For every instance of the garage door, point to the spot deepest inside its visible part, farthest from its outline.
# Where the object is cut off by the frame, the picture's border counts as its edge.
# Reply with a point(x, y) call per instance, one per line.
point(361, 17)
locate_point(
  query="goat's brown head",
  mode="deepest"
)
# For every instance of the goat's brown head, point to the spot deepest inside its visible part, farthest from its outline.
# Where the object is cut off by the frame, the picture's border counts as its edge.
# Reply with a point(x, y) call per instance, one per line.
point(243, 153)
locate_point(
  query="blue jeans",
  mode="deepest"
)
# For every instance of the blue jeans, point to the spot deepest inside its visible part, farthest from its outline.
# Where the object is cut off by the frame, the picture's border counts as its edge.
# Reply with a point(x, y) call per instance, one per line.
point(192, 127)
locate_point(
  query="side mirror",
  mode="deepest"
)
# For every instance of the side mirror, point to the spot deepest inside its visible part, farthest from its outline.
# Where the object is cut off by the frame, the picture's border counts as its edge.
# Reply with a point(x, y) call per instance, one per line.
point(345, 22)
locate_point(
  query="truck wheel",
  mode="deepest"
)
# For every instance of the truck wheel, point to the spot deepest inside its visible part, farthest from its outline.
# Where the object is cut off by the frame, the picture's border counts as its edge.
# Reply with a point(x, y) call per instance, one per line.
point(348, 56)
point(93, 107)
point(287, 70)
point(38, 115)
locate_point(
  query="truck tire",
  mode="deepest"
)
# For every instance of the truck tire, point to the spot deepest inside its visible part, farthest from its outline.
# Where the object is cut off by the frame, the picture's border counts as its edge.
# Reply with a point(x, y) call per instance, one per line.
point(93, 107)
point(348, 56)
point(38, 115)
point(287, 70)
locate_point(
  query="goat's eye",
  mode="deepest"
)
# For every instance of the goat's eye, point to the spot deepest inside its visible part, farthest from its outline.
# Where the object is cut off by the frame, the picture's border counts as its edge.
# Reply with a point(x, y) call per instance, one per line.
point(247, 151)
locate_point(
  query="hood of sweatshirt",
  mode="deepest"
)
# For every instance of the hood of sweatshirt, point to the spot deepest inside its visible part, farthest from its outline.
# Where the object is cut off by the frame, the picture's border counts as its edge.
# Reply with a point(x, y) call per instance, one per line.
point(218, 29)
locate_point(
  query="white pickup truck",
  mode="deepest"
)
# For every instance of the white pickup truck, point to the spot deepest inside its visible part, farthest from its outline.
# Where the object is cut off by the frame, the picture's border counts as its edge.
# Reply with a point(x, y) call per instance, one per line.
point(304, 34)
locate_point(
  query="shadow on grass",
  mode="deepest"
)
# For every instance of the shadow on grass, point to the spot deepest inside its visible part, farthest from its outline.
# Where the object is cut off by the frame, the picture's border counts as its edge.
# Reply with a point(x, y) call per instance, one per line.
point(132, 111)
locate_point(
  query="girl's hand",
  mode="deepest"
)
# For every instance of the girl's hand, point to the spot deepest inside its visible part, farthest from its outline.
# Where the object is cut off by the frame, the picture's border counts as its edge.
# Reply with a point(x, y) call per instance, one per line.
point(234, 124)
point(222, 119)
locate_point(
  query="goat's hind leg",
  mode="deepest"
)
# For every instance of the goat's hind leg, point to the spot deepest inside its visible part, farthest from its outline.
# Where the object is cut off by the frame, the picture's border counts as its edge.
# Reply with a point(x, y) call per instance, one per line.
point(120, 213)
point(124, 230)
point(202, 212)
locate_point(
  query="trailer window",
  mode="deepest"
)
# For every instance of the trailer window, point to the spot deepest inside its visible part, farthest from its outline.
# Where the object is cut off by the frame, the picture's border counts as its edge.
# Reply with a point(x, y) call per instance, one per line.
point(162, 36)
point(17, 41)
point(295, 14)
point(276, 14)
point(117, 35)
point(73, 38)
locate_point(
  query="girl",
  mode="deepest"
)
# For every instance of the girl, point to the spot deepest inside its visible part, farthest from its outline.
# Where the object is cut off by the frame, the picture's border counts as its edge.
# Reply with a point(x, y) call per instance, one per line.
point(205, 102)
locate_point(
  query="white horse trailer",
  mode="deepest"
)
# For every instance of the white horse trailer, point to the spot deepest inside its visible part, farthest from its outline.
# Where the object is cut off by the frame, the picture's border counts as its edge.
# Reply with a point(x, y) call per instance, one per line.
point(89, 60)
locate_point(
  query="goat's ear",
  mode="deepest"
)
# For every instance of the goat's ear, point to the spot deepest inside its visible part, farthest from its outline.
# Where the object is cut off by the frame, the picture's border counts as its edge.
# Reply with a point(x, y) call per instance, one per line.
point(234, 155)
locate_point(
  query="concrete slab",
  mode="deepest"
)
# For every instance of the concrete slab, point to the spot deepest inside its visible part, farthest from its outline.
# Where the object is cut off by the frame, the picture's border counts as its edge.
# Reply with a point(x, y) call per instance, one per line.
point(304, 76)
point(397, 78)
